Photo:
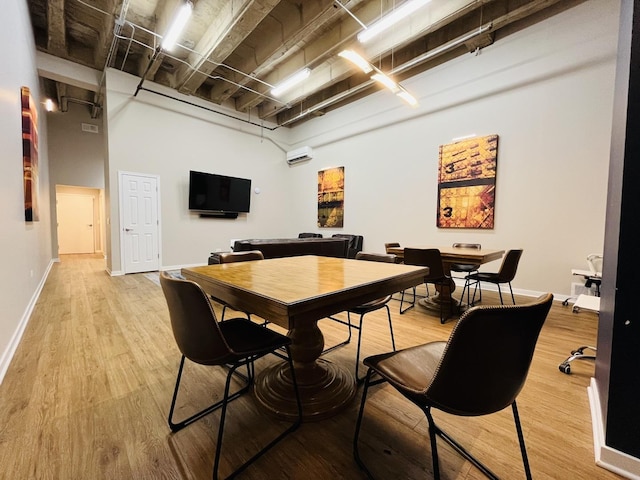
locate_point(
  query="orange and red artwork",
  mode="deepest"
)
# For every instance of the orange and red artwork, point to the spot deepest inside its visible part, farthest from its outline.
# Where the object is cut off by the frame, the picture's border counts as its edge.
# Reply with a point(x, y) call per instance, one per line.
point(331, 197)
point(467, 183)
point(29, 155)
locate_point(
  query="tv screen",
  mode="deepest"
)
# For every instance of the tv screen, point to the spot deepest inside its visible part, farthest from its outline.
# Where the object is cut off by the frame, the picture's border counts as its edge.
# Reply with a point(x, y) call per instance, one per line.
point(209, 192)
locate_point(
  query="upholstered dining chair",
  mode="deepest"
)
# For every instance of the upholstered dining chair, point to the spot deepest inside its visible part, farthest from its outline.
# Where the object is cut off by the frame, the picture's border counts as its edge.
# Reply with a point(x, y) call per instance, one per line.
point(364, 309)
point(232, 344)
point(480, 370)
point(232, 257)
point(465, 269)
point(505, 274)
point(432, 258)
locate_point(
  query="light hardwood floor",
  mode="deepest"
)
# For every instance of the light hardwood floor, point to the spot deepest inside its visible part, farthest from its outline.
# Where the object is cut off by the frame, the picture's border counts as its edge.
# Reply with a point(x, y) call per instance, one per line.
point(87, 393)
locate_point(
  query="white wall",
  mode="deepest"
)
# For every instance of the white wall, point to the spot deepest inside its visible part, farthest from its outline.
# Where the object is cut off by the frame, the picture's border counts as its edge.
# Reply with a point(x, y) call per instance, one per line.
point(152, 135)
point(25, 248)
point(76, 158)
point(546, 91)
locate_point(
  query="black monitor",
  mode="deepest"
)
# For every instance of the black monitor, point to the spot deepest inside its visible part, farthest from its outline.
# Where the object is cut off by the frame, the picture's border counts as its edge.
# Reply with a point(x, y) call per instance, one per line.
point(218, 194)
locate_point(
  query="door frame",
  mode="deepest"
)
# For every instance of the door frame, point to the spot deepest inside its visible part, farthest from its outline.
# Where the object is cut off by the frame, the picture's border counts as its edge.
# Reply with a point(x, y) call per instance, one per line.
point(121, 174)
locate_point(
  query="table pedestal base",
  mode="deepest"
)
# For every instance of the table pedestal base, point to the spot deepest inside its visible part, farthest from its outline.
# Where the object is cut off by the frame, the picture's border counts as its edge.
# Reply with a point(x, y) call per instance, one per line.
point(325, 389)
point(434, 303)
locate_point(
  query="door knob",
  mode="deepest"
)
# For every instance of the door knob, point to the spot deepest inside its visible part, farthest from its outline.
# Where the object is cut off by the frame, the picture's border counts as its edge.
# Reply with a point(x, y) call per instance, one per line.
point(128, 229)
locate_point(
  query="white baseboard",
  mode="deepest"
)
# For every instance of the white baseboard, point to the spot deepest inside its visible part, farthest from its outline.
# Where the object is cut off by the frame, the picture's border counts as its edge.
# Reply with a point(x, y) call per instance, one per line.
point(7, 355)
point(606, 457)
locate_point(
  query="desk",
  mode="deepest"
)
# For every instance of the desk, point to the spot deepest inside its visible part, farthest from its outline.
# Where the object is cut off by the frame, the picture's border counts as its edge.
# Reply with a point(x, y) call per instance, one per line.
point(294, 293)
point(452, 255)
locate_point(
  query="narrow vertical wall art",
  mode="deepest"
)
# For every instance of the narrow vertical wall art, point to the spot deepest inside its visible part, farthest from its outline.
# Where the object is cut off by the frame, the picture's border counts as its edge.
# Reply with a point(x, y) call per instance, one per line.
point(467, 183)
point(29, 155)
point(331, 197)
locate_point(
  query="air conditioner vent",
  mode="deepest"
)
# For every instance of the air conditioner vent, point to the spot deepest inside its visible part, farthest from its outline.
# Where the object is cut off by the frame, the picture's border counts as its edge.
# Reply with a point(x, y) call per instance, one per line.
point(299, 155)
point(88, 127)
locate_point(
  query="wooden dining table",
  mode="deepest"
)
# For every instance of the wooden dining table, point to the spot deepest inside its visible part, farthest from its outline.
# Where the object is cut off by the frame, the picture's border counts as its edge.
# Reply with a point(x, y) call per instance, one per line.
point(451, 255)
point(294, 293)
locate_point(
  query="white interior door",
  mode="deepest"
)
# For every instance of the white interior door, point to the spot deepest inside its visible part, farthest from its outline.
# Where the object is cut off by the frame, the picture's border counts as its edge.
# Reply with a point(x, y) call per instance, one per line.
point(139, 221)
point(75, 223)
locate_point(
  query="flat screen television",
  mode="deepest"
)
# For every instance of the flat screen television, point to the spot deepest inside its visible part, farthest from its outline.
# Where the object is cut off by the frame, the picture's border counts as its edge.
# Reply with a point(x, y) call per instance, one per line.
point(218, 194)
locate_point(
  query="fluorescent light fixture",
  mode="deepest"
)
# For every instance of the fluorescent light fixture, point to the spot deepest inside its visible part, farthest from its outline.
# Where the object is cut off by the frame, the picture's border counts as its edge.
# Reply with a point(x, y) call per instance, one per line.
point(407, 97)
point(290, 82)
point(386, 81)
point(176, 27)
point(353, 57)
point(395, 16)
point(48, 105)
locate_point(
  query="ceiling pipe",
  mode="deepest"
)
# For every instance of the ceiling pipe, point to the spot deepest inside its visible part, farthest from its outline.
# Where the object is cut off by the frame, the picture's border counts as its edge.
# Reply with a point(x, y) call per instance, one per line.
point(401, 68)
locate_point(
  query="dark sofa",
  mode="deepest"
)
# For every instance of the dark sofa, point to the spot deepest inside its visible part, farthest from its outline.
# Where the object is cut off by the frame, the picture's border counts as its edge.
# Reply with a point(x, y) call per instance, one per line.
point(291, 247)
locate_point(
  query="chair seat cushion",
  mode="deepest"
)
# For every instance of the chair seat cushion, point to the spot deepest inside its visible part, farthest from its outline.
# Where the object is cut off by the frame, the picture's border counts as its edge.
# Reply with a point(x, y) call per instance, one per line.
point(371, 306)
point(244, 336)
point(464, 267)
point(485, 276)
point(410, 370)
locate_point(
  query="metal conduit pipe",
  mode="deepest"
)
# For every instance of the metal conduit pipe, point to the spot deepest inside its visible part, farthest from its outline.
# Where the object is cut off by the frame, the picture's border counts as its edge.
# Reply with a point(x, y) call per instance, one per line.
point(412, 63)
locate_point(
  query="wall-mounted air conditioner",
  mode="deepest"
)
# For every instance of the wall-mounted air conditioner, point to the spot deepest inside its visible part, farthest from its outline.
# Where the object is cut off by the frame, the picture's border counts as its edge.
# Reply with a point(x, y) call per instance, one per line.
point(299, 155)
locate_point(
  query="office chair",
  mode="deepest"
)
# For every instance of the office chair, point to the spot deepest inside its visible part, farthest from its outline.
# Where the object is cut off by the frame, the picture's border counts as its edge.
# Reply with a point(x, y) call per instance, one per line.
point(592, 277)
point(480, 370)
point(506, 274)
point(363, 309)
point(234, 343)
point(233, 257)
point(466, 269)
point(428, 257)
point(309, 235)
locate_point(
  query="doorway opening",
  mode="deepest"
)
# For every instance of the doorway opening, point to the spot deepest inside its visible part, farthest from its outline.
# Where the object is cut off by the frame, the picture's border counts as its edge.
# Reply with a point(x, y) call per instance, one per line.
point(80, 220)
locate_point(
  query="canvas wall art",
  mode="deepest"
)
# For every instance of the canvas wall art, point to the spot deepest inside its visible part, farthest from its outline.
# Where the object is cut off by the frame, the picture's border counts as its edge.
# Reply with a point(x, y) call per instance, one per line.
point(331, 197)
point(29, 155)
point(467, 183)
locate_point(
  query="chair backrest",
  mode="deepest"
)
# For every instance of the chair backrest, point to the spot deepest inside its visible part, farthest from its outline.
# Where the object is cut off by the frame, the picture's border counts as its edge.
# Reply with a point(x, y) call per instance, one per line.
point(232, 257)
point(377, 257)
point(355, 243)
point(594, 261)
point(309, 235)
point(487, 357)
point(467, 245)
point(426, 257)
point(193, 321)
point(509, 266)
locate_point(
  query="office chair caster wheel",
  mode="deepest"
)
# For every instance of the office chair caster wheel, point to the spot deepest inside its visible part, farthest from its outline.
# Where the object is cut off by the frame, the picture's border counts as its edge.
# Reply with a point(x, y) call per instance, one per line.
point(565, 368)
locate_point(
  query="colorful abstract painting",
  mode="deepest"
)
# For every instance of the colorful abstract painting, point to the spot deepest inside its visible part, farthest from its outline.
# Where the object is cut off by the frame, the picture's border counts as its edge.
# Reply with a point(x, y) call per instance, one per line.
point(331, 197)
point(29, 155)
point(467, 183)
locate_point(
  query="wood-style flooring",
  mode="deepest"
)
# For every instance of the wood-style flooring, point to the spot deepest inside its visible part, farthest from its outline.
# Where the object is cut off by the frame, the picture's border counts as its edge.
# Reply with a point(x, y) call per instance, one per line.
point(87, 394)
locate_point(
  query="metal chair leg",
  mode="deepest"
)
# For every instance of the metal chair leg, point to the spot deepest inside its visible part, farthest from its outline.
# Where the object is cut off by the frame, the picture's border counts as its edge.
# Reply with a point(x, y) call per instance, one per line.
point(523, 448)
point(413, 303)
point(393, 341)
point(175, 426)
point(290, 429)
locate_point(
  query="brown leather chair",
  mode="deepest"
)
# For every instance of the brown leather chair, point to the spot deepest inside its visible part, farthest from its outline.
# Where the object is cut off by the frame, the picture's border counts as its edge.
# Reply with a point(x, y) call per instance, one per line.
point(428, 257)
point(232, 257)
point(506, 274)
point(480, 370)
point(365, 308)
point(232, 344)
point(466, 269)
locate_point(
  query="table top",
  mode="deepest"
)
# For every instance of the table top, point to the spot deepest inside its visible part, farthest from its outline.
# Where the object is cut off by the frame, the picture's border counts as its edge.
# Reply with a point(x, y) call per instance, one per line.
point(458, 254)
point(289, 289)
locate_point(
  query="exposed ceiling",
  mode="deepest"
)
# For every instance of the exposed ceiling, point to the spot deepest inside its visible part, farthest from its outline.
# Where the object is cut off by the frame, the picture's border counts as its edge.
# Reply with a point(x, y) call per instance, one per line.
point(232, 52)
